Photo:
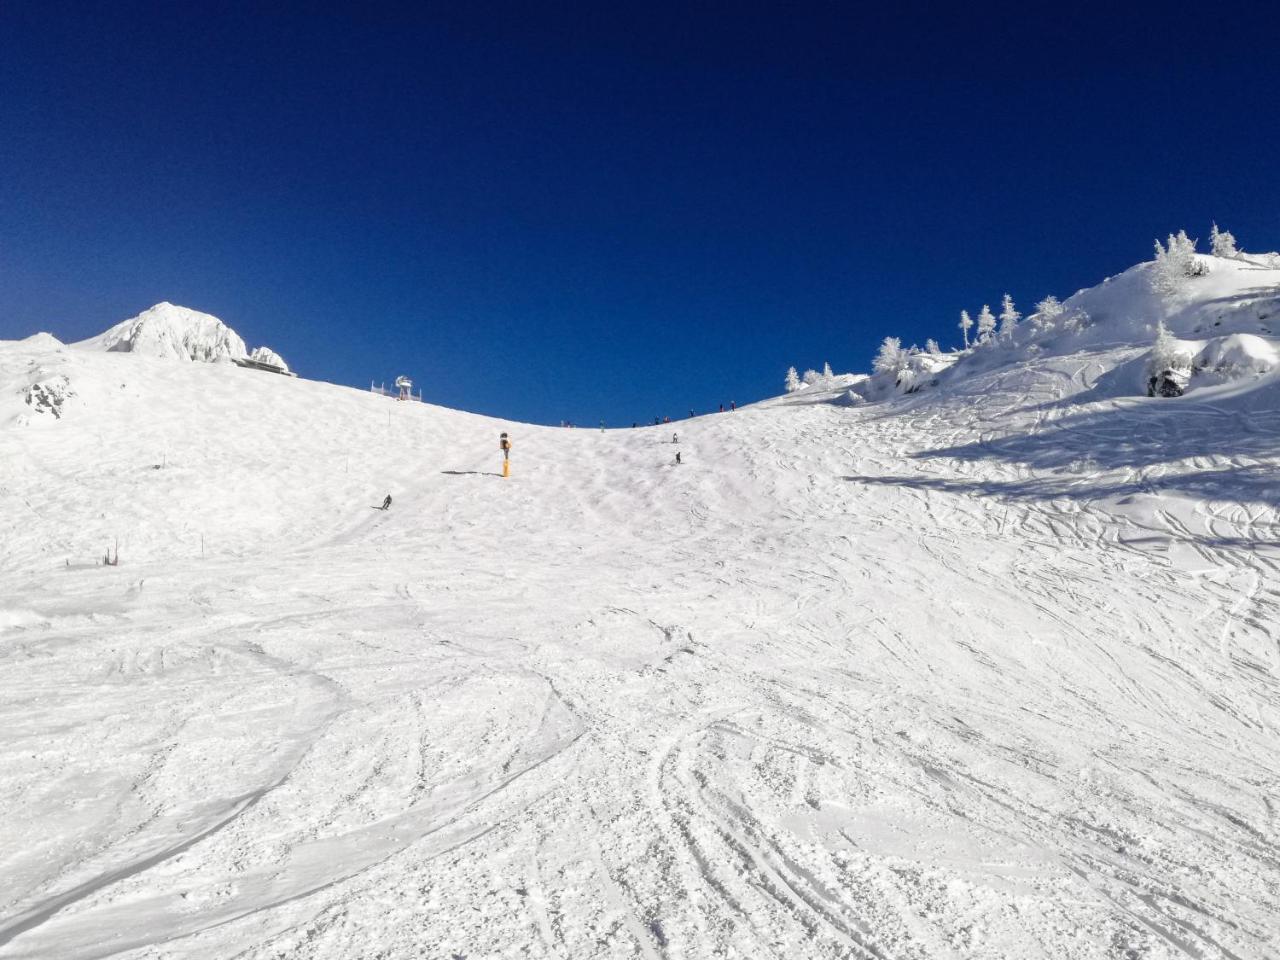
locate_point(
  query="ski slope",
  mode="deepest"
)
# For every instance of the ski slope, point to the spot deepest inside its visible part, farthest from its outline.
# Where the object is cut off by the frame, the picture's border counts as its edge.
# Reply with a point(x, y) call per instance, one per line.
point(987, 671)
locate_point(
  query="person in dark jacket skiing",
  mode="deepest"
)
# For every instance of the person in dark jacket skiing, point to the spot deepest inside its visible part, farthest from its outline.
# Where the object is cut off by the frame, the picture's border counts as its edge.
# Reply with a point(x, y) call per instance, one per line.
point(386, 504)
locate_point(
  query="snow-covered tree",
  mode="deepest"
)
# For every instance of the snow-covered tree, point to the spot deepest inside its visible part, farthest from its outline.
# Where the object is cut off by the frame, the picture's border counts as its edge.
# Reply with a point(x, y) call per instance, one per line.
point(1175, 262)
point(1047, 312)
point(1076, 321)
point(1009, 317)
point(793, 380)
point(1168, 364)
point(986, 323)
point(827, 375)
point(1223, 243)
point(891, 357)
point(931, 345)
point(966, 323)
point(1167, 352)
point(811, 377)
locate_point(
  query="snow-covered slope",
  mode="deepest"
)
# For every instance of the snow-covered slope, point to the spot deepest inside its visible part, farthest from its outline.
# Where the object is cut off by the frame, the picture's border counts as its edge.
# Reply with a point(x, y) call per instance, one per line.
point(1229, 309)
point(1233, 298)
point(989, 670)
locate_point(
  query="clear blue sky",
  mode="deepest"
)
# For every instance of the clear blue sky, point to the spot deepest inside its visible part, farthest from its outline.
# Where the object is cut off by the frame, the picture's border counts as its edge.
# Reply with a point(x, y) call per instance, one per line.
point(619, 213)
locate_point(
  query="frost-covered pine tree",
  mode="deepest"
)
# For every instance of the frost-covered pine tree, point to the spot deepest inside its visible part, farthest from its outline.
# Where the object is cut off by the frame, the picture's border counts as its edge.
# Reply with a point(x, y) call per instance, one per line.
point(1009, 317)
point(931, 345)
point(891, 357)
point(1223, 243)
point(966, 323)
point(1168, 365)
point(793, 380)
point(1167, 352)
point(1048, 311)
point(1175, 262)
point(811, 377)
point(827, 375)
point(986, 323)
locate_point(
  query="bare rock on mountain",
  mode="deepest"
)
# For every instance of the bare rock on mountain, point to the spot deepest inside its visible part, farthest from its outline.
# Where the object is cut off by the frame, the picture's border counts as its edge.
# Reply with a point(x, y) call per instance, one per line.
point(49, 396)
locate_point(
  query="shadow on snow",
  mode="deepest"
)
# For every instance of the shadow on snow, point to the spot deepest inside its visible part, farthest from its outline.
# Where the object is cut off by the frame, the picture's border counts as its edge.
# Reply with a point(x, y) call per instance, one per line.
point(1190, 449)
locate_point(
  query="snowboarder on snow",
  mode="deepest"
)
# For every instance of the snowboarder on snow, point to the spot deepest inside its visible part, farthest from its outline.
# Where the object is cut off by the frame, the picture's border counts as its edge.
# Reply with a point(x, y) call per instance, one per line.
point(386, 504)
point(678, 460)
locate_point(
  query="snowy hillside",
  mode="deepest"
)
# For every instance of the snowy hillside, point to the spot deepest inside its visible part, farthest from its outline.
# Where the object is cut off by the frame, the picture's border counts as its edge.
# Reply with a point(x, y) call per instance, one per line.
point(1229, 312)
point(985, 670)
point(1222, 313)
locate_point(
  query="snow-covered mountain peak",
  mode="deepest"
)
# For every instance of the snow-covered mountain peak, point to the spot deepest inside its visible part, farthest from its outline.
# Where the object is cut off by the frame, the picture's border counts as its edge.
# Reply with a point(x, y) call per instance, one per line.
point(174, 332)
point(42, 340)
point(170, 331)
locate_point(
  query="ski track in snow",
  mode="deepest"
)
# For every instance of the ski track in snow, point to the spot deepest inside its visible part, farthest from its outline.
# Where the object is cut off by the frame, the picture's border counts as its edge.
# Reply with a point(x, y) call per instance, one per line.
point(935, 679)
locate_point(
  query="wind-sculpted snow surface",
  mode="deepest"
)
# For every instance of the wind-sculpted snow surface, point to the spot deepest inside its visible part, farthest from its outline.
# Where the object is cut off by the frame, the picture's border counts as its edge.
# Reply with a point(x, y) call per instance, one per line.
point(986, 671)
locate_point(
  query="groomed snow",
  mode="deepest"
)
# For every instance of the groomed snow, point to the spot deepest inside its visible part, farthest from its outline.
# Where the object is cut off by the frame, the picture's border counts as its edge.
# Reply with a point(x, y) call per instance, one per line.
point(986, 671)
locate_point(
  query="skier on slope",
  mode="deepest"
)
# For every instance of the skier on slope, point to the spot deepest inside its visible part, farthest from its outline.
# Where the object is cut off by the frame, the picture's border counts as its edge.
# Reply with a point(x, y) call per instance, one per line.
point(386, 504)
point(504, 443)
